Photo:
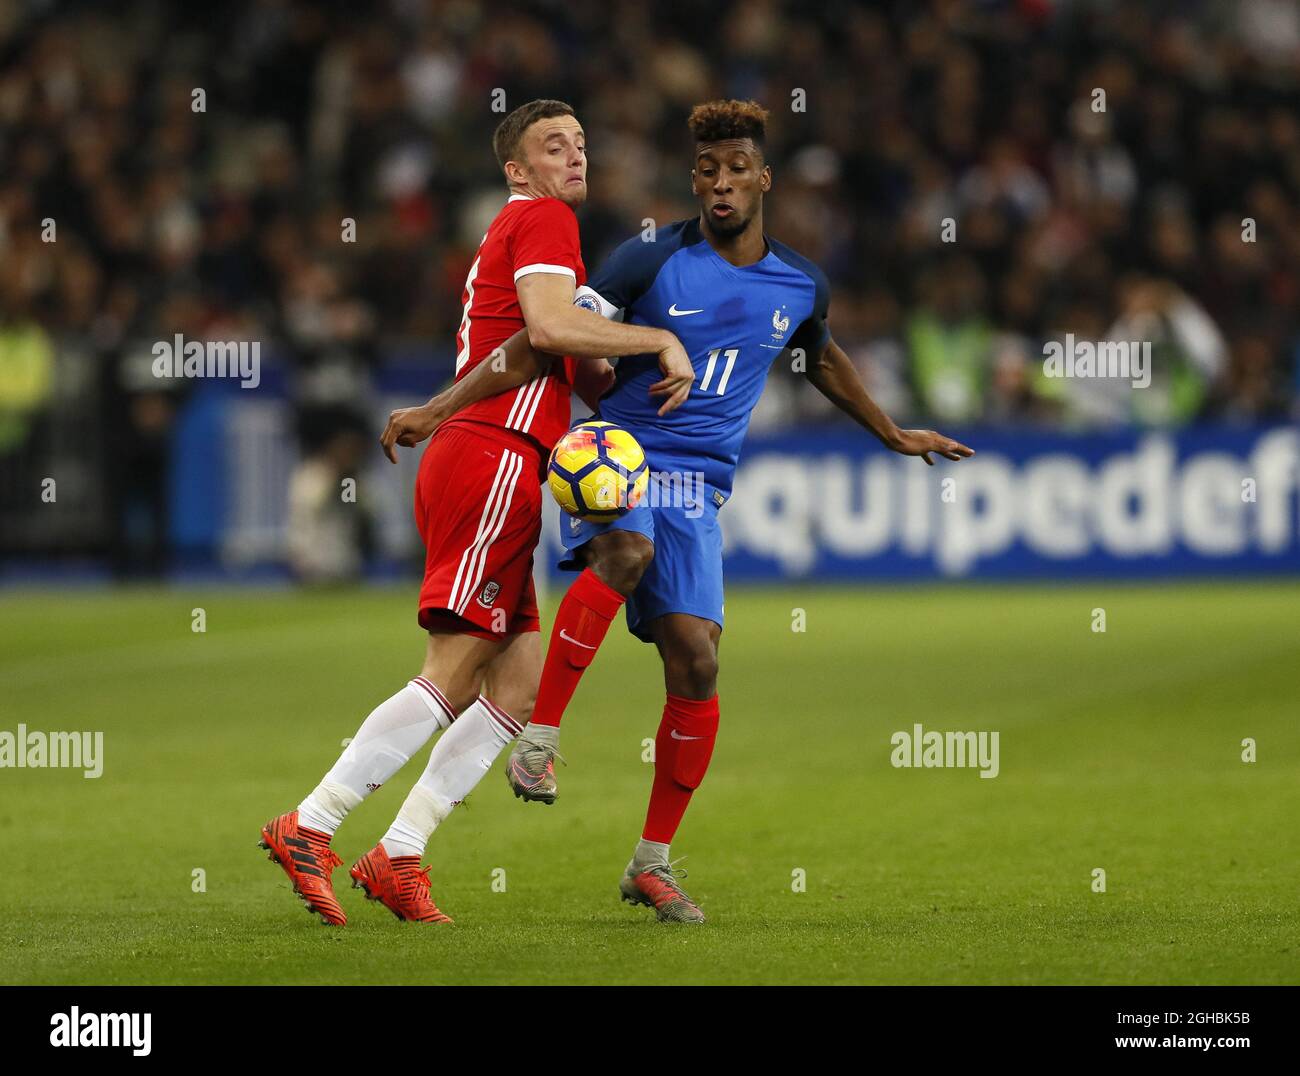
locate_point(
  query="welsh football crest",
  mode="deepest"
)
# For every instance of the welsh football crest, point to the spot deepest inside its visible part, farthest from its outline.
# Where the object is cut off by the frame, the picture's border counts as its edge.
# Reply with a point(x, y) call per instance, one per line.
point(489, 595)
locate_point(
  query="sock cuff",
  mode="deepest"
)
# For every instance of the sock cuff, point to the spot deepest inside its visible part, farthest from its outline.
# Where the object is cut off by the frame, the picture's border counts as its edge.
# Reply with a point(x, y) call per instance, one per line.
point(507, 724)
point(434, 699)
point(597, 595)
point(683, 705)
point(693, 716)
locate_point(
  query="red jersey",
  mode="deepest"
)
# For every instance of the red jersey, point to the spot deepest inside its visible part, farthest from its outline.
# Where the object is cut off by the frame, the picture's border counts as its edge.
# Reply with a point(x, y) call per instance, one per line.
point(529, 235)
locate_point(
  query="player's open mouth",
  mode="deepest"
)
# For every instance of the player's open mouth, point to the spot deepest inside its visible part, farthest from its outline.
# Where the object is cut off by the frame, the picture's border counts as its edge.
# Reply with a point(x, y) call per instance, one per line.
point(722, 209)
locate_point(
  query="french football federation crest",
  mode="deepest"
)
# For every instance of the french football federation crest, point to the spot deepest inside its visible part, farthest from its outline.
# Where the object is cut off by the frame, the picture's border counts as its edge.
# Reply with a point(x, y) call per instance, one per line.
point(779, 325)
point(489, 595)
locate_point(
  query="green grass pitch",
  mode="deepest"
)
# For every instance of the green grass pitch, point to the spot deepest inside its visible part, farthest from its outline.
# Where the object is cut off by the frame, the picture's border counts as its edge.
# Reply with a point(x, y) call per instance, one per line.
point(1120, 751)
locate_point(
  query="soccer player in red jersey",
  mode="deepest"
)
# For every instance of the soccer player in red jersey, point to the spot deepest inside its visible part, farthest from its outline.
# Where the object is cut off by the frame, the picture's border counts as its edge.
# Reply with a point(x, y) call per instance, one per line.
point(478, 509)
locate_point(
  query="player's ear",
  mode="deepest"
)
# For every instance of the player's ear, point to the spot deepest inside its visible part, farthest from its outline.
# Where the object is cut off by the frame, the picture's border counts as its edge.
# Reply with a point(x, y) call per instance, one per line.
point(765, 179)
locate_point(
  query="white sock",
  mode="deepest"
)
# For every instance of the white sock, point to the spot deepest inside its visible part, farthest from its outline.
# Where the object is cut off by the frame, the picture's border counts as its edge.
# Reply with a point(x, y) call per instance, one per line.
point(460, 758)
point(394, 731)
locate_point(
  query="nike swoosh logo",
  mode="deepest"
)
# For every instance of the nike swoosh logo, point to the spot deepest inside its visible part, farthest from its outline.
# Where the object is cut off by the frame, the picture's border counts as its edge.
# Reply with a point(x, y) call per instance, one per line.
point(673, 312)
point(524, 777)
point(678, 736)
point(569, 638)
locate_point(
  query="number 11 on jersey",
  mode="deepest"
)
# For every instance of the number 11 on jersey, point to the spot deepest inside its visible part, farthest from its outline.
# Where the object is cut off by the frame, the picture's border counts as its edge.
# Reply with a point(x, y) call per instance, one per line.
point(730, 354)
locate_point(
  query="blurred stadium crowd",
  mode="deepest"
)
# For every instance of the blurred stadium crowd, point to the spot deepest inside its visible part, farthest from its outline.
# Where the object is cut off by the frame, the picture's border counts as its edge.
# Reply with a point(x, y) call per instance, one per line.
point(1172, 216)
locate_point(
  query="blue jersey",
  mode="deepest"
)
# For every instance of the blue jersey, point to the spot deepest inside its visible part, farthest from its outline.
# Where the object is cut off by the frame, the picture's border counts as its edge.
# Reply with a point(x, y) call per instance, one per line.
point(733, 323)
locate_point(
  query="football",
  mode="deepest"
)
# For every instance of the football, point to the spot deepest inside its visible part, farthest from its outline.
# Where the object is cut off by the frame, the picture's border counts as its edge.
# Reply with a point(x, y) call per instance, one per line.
point(598, 471)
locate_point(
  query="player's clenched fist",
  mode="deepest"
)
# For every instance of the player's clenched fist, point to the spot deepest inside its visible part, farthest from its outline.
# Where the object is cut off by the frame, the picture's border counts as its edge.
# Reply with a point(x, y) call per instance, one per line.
point(408, 426)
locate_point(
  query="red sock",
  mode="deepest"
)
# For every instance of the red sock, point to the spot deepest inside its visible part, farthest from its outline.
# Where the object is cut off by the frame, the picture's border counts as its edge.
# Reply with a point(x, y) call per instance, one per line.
point(580, 625)
point(682, 752)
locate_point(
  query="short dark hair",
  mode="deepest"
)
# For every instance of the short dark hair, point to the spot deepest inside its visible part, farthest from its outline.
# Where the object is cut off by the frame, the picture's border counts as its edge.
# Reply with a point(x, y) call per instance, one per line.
point(716, 120)
point(510, 131)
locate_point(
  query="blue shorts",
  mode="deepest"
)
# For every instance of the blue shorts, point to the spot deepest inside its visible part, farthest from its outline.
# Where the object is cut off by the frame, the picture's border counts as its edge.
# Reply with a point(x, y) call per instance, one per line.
point(685, 575)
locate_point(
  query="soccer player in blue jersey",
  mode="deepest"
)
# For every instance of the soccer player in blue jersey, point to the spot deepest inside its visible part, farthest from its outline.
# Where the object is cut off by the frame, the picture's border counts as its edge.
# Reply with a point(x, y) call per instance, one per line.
point(737, 299)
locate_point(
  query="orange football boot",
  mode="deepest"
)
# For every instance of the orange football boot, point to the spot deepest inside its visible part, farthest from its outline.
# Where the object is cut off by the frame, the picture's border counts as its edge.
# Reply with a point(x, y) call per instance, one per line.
point(308, 860)
point(399, 883)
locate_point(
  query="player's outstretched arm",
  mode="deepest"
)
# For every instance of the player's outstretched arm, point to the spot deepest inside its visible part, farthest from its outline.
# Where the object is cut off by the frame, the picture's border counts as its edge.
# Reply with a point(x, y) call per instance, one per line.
point(556, 325)
point(511, 365)
point(832, 374)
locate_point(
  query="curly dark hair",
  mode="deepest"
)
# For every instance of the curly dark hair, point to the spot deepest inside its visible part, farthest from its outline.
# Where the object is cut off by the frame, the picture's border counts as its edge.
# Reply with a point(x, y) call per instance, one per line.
point(716, 120)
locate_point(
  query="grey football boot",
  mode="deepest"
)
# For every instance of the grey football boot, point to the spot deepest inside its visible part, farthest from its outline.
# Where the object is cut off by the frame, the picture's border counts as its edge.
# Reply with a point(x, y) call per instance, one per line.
point(656, 886)
point(530, 770)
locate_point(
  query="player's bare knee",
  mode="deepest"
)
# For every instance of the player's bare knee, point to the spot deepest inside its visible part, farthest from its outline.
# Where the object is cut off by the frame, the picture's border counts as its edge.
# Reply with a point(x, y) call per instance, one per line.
point(693, 674)
point(620, 558)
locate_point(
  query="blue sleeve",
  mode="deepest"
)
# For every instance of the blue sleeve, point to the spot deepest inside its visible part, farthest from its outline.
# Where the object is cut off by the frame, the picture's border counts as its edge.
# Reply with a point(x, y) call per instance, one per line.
point(814, 334)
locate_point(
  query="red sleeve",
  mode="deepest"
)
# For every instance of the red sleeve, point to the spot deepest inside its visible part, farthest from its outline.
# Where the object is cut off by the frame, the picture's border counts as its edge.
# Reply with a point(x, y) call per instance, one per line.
point(545, 240)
